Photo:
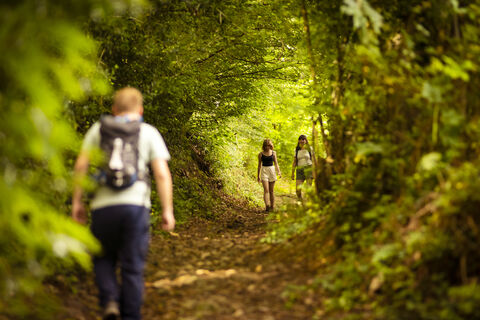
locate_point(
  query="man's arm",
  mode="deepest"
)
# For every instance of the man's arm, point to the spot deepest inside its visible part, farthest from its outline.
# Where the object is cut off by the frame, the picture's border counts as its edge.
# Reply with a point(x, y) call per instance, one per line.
point(78, 209)
point(163, 179)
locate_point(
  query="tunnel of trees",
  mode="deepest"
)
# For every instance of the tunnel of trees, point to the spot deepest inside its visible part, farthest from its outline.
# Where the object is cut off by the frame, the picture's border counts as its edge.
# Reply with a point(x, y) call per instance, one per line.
point(387, 92)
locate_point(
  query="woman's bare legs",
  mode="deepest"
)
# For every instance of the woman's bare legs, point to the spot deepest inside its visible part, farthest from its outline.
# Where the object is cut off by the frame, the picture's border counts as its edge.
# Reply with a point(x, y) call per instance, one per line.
point(272, 197)
point(266, 193)
point(298, 189)
point(309, 182)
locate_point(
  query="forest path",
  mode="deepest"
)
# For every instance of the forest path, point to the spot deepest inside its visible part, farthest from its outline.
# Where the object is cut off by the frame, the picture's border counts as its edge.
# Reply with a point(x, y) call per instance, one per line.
point(219, 270)
point(209, 270)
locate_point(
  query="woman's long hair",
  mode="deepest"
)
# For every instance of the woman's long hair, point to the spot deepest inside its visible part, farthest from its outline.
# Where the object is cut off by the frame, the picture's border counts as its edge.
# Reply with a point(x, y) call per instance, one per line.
point(267, 143)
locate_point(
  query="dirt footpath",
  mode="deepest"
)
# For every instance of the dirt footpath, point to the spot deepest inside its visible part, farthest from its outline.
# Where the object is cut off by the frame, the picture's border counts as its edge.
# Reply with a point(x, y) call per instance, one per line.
point(212, 270)
point(219, 270)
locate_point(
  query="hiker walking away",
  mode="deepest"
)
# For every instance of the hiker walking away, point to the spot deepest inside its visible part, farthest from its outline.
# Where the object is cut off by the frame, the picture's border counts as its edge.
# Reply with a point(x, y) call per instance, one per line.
point(266, 173)
point(302, 162)
point(120, 206)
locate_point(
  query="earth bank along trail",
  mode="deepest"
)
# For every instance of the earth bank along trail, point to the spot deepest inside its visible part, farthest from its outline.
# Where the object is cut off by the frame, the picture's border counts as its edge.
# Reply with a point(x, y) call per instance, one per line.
point(212, 270)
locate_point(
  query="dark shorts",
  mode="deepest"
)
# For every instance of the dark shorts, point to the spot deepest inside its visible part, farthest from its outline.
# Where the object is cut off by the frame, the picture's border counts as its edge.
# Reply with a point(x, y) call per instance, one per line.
point(304, 173)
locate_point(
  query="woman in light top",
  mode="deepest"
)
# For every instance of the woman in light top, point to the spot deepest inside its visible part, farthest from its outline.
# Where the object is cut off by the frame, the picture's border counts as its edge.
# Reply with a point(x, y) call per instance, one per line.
point(302, 161)
point(267, 163)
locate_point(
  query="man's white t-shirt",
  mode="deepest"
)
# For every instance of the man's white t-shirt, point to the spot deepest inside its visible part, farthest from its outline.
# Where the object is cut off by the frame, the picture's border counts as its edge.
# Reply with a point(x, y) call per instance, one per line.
point(150, 147)
point(303, 158)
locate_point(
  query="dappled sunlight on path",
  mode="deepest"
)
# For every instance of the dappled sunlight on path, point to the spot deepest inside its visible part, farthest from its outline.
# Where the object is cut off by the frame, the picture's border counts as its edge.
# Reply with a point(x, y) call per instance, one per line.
point(220, 270)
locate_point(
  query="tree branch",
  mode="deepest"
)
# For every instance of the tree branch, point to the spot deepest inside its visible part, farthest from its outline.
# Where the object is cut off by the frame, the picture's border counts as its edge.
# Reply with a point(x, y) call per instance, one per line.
point(247, 73)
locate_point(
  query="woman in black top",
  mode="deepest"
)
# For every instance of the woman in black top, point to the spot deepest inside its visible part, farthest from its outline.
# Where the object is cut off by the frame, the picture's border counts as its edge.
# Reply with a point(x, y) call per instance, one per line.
point(266, 173)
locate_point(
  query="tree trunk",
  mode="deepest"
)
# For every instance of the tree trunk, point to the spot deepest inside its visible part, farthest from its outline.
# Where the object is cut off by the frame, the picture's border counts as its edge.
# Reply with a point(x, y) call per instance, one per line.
point(321, 172)
point(336, 126)
point(308, 39)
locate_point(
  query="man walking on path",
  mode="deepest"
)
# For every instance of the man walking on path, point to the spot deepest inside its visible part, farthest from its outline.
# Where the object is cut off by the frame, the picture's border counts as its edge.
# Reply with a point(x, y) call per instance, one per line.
point(120, 206)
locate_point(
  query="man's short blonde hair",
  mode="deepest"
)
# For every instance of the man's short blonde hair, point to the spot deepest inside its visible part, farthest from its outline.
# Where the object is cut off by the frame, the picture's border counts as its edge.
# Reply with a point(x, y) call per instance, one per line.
point(128, 100)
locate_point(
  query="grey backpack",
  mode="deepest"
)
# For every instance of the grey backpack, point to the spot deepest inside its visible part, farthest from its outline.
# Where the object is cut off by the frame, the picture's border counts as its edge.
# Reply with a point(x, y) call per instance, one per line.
point(119, 142)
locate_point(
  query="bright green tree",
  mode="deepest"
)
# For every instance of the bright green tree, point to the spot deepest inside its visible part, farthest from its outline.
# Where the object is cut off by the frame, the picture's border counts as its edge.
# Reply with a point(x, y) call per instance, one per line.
point(47, 61)
point(398, 222)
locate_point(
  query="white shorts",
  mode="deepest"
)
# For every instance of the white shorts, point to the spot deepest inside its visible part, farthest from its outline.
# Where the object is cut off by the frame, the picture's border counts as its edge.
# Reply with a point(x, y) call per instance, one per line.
point(268, 174)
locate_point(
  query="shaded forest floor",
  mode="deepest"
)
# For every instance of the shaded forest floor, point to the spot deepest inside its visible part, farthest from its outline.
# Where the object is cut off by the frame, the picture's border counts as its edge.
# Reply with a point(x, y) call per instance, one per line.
point(210, 270)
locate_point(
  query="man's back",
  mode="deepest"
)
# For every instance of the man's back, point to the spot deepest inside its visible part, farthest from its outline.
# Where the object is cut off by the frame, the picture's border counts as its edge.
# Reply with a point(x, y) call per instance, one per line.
point(150, 146)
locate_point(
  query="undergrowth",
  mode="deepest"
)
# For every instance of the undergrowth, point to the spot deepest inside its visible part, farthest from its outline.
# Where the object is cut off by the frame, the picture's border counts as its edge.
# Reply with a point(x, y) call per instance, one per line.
point(408, 256)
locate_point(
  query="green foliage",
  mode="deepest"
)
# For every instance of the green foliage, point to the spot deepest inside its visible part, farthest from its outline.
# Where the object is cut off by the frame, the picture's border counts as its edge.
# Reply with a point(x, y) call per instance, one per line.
point(47, 61)
point(398, 221)
point(207, 68)
point(392, 96)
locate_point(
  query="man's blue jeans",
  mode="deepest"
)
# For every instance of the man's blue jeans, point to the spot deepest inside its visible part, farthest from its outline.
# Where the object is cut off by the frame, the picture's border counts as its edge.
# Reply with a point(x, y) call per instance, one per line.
point(123, 231)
